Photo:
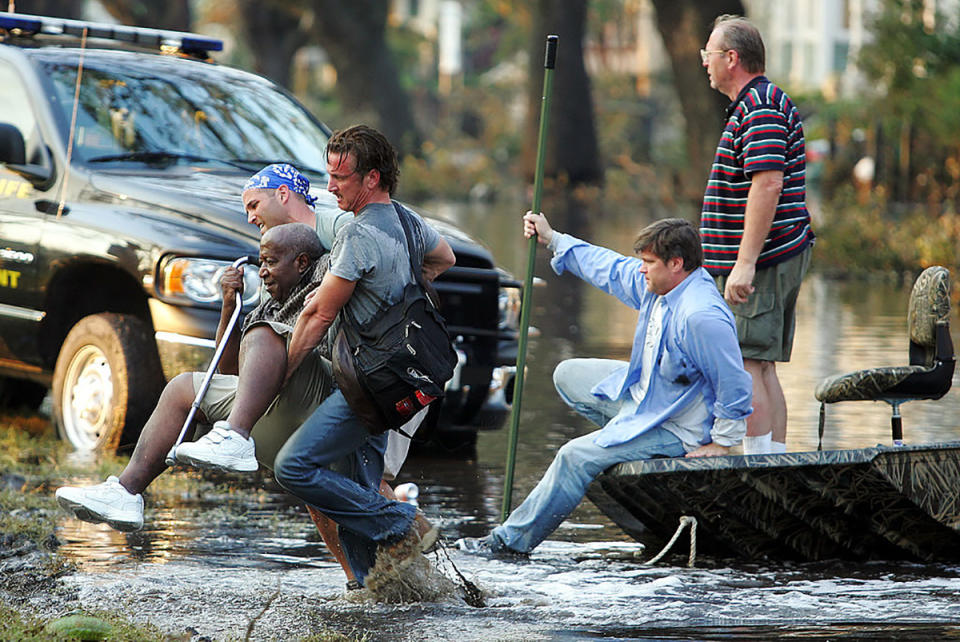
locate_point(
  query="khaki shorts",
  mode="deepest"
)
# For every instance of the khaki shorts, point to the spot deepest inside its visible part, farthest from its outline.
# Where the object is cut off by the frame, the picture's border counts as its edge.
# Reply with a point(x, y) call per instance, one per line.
point(766, 322)
point(308, 387)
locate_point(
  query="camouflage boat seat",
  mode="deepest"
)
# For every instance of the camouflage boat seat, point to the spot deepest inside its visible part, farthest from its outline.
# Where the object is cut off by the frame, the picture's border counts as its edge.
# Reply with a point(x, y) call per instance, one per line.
point(930, 372)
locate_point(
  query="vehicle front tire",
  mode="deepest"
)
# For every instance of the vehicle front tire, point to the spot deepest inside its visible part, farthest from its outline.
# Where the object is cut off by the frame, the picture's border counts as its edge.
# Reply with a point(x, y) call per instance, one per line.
point(106, 381)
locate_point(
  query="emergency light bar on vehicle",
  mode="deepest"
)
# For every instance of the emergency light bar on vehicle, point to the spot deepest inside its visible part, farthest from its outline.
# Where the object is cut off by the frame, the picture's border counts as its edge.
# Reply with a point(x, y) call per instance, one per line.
point(20, 24)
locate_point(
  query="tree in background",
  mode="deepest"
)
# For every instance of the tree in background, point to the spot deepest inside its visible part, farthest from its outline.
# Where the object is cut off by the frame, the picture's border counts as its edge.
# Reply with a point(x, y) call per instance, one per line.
point(56, 8)
point(572, 142)
point(913, 59)
point(274, 31)
point(354, 36)
point(684, 26)
point(159, 14)
point(903, 215)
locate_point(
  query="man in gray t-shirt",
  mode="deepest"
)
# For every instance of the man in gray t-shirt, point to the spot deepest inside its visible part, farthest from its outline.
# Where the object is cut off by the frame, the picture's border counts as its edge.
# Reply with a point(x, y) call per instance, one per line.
point(371, 252)
point(369, 267)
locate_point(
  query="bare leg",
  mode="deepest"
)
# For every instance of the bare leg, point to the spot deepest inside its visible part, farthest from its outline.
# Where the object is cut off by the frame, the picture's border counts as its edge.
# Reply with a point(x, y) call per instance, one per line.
point(159, 434)
point(769, 403)
point(328, 531)
point(263, 362)
point(760, 421)
point(778, 403)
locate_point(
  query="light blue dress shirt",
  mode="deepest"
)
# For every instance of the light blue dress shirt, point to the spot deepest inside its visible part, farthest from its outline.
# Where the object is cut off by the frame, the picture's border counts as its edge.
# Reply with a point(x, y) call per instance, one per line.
point(698, 353)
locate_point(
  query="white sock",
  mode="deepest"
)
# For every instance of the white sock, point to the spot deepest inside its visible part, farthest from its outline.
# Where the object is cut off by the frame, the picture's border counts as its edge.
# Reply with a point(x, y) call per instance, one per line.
point(778, 447)
point(757, 445)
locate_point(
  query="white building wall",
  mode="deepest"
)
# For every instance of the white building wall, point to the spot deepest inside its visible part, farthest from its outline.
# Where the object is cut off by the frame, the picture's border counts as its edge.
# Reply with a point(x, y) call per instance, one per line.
point(808, 41)
point(813, 44)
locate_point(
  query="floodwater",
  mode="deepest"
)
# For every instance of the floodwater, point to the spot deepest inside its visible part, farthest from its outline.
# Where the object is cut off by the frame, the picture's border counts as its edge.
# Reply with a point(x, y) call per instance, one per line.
point(214, 559)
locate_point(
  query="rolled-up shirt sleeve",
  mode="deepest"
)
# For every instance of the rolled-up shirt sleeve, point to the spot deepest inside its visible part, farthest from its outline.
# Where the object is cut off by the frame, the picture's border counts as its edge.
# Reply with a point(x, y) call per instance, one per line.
point(728, 432)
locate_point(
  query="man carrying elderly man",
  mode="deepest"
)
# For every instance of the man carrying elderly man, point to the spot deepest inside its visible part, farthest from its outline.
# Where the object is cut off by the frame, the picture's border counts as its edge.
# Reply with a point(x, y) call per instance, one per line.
point(246, 394)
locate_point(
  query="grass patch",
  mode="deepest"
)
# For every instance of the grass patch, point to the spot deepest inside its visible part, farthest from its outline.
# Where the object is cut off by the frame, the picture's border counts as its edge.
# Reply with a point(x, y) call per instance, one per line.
point(29, 446)
point(14, 625)
point(27, 514)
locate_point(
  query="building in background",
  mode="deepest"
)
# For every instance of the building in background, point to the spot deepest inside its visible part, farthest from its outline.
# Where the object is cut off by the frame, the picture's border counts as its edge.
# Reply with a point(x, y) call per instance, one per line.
point(812, 45)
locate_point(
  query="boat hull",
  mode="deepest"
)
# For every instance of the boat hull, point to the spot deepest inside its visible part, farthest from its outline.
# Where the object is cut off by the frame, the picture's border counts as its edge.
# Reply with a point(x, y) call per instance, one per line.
point(871, 503)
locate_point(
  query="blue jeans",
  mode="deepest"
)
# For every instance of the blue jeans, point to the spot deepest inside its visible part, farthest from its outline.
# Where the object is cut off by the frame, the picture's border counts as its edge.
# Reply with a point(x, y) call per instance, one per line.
point(335, 465)
point(578, 461)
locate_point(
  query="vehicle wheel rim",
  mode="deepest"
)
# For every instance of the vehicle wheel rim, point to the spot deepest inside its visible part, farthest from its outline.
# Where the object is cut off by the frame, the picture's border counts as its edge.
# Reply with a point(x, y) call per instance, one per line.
point(87, 398)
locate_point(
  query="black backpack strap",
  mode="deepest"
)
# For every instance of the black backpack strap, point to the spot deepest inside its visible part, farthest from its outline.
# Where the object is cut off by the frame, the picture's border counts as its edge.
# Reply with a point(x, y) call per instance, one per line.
point(405, 224)
point(415, 269)
point(350, 325)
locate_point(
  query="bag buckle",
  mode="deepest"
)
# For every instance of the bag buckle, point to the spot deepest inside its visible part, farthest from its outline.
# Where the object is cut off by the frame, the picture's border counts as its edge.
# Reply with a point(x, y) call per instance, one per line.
point(406, 329)
point(416, 374)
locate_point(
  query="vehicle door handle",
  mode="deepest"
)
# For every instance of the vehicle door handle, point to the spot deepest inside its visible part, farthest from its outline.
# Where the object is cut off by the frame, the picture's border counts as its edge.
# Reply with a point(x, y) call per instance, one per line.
point(49, 207)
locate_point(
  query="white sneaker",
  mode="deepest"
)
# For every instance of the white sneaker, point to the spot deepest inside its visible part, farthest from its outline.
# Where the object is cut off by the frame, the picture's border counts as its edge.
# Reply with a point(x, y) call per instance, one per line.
point(222, 449)
point(108, 503)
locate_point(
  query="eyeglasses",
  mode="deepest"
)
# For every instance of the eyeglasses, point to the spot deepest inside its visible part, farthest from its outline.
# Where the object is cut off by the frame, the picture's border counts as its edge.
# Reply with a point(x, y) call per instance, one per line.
point(705, 53)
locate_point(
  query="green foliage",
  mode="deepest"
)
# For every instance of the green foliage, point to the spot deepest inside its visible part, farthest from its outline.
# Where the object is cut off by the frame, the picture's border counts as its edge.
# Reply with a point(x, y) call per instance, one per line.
point(910, 119)
point(30, 515)
point(28, 444)
point(494, 31)
point(474, 145)
point(862, 238)
point(16, 625)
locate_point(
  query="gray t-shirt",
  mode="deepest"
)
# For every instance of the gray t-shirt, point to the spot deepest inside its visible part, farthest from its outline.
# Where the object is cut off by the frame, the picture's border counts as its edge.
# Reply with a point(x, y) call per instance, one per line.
point(371, 250)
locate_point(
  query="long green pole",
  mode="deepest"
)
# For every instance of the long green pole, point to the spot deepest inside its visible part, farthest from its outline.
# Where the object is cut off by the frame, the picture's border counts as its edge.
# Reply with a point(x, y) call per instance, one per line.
point(550, 61)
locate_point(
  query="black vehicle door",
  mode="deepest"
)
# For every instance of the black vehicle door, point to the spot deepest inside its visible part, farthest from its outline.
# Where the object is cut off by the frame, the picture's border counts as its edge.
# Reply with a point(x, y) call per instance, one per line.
point(21, 227)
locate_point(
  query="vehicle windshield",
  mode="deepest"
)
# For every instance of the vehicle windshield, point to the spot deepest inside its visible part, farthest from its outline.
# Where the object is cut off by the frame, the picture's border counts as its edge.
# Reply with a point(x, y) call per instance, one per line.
point(164, 112)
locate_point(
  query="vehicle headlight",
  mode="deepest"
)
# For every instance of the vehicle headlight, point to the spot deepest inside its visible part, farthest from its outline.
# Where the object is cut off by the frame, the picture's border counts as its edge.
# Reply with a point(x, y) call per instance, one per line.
point(192, 280)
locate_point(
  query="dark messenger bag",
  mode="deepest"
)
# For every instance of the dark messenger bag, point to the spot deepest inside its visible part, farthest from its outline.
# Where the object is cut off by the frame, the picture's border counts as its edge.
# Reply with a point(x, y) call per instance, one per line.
point(396, 364)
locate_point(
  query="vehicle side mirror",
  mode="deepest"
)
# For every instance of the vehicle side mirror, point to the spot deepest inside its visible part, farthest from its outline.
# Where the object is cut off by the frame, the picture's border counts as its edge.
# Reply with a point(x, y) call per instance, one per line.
point(13, 150)
point(13, 154)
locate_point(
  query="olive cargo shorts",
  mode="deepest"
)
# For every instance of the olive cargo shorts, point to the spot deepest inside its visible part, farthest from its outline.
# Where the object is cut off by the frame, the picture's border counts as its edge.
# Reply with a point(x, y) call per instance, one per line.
point(309, 385)
point(766, 322)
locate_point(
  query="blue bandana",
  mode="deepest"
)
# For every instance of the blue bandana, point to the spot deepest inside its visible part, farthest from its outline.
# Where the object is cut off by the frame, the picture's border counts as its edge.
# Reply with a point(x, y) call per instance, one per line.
point(273, 176)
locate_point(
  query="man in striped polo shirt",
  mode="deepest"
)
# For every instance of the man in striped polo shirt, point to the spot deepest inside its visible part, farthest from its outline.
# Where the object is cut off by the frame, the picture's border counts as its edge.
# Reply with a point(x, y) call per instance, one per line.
point(754, 226)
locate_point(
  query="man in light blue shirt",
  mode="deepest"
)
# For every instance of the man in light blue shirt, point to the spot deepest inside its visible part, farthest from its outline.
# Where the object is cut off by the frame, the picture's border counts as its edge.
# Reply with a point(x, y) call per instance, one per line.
point(683, 393)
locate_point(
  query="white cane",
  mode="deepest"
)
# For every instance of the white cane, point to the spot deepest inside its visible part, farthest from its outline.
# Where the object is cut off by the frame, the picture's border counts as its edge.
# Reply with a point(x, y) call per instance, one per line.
point(218, 353)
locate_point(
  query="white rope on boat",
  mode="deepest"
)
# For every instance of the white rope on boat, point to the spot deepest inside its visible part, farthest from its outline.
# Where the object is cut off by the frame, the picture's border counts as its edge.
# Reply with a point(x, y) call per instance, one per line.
point(684, 520)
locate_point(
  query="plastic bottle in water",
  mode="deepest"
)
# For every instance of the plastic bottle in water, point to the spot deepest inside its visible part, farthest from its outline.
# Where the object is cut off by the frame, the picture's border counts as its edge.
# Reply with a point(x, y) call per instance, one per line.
point(408, 492)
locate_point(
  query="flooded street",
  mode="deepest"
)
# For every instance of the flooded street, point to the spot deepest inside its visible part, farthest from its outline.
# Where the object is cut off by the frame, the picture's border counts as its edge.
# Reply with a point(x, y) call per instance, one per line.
point(238, 552)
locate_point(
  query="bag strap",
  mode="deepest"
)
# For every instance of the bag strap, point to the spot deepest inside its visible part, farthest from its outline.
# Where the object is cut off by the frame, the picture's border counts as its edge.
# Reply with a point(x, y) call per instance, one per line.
point(428, 290)
point(405, 224)
point(351, 326)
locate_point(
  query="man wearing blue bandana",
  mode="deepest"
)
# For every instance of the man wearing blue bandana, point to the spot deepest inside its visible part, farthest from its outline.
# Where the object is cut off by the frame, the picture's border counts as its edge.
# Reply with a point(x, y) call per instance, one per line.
point(369, 270)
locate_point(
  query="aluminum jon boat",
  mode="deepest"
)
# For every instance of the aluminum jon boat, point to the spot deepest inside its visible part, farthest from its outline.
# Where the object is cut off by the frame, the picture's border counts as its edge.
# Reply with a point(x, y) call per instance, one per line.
point(893, 503)
point(888, 502)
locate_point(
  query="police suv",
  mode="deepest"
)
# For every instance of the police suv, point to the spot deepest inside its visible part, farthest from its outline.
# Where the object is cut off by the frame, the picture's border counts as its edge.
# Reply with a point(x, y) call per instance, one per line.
point(122, 155)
